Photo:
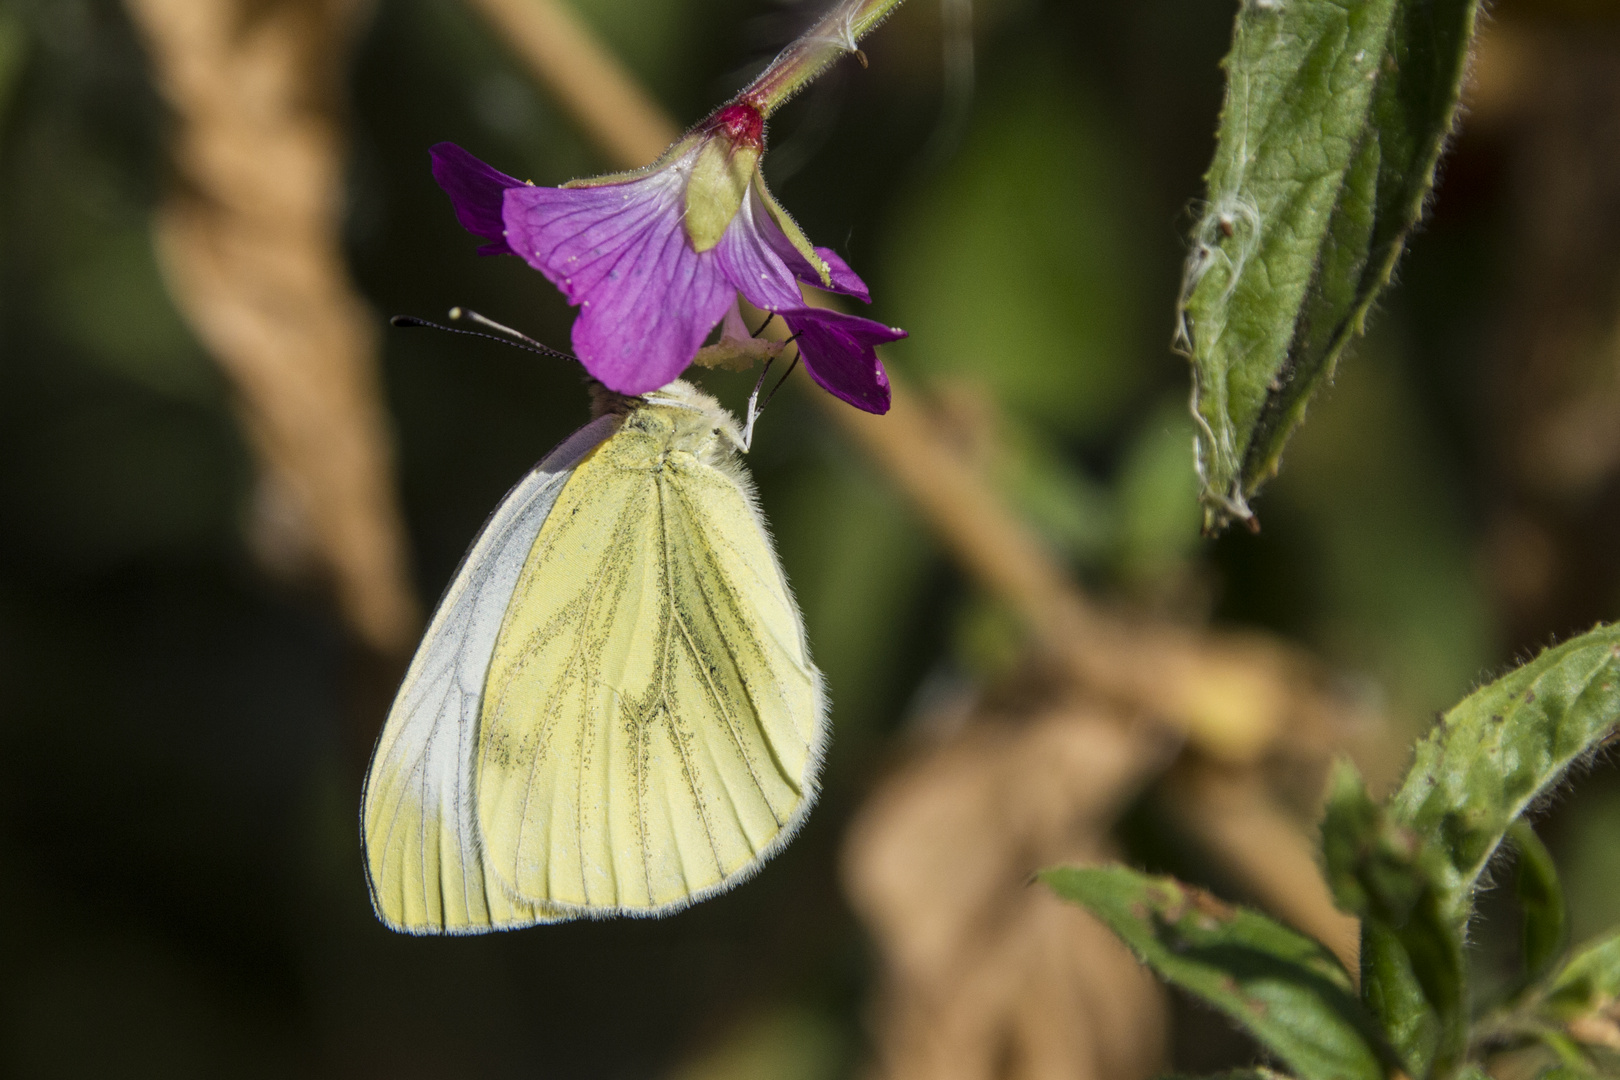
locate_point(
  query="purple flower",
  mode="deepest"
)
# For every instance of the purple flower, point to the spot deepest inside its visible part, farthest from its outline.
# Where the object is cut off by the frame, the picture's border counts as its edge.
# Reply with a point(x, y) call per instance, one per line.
point(839, 352)
point(654, 259)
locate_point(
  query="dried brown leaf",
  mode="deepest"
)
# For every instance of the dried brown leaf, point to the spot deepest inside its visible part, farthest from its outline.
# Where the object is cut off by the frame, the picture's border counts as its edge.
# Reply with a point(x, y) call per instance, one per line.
point(985, 977)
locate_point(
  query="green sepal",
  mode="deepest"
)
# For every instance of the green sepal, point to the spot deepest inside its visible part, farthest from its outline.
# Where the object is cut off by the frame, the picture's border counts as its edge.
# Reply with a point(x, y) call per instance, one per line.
point(1334, 119)
point(720, 177)
point(737, 355)
point(1584, 997)
point(790, 228)
point(1285, 989)
point(1544, 930)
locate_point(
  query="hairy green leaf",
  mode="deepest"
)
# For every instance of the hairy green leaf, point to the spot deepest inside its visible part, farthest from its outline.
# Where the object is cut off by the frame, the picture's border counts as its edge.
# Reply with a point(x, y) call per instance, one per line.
point(1506, 743)
point(1334, 119)
point(1412, 962)
point(1471, 778)
point(1284, 988)
point(1586, 993)
point(1541, 899)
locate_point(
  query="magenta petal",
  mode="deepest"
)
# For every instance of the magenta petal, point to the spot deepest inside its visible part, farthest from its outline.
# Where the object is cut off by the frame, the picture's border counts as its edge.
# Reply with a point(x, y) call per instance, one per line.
point(475, 191)
point(751, 256)
point(839, 352)
point(844, 280)
point(619, 252)
point(763, 264)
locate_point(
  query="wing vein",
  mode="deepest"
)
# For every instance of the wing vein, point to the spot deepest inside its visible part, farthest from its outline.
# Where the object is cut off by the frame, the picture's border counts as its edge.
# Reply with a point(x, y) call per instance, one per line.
point(666, 659)
point(549, 716)
point(734, 602)
point(730, 723)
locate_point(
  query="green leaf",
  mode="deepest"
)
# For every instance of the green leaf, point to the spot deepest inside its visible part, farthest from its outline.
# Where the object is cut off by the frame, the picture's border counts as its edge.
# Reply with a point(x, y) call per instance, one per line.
point(1506, 743)
point(1541, 899)
point(1412, 965)
point(1575, 1014)
point(1589, 985)
point(1333, 122)
point(1471, 778)
point(1287, 990)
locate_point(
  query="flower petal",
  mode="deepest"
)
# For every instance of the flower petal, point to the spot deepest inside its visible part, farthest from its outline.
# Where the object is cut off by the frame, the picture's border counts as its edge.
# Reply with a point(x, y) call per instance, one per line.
point(751, 257)
point(733, 328)
point(766, 266)
point(620, 253)
point(844, 280)
point(839, 352)
point(795, 249)
point(475, 191)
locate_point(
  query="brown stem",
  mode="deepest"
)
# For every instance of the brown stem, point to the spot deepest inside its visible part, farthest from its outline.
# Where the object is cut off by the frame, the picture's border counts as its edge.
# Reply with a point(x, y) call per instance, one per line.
point(249, 247)
point(250, 250)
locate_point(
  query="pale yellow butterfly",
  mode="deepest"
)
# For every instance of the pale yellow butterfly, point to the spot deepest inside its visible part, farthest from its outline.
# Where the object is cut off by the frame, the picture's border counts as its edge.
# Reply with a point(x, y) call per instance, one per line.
point(613, 711)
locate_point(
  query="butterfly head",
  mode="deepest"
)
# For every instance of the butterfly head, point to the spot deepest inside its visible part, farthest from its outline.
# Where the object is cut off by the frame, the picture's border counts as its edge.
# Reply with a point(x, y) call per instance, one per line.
point(696, 422)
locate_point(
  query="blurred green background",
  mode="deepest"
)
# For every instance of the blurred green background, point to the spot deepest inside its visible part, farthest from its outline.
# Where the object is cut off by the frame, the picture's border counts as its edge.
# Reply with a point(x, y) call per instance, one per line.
point(182, 739)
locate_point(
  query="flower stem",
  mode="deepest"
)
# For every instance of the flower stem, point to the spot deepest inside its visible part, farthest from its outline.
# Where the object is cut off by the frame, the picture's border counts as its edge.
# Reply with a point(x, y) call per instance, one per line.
point(834, 35)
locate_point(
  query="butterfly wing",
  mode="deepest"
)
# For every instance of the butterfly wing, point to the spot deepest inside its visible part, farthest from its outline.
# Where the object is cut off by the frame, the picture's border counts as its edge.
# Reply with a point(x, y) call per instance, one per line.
point(652, 724)
point(419, 820)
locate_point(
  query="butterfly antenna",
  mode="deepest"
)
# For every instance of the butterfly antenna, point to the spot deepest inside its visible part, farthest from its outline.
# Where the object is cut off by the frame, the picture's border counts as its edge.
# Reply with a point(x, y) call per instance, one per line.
point(507, 335)
point(784, 378)
point(755, 406)
point(517, 335)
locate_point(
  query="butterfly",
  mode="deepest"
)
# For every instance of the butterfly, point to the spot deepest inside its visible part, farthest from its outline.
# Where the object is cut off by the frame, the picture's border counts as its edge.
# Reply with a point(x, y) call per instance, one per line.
point(613, 710)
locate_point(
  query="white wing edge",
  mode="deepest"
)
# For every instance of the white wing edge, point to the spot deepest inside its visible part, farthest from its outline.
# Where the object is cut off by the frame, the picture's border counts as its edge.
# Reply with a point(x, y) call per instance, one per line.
point(429, 742)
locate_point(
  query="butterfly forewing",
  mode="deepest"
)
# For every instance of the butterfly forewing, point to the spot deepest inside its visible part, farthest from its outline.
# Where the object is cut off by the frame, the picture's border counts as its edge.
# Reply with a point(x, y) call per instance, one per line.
point(651, 721)
point(550, 741)
point(424, 862)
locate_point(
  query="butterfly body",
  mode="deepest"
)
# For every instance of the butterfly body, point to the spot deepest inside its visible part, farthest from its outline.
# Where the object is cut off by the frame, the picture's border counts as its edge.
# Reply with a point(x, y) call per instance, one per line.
point(613, 711)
